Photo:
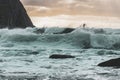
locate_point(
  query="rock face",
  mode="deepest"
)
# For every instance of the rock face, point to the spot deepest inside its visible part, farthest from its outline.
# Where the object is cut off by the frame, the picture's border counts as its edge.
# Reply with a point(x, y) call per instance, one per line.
point(13, 15)
point(111, 63)
point(60, 56)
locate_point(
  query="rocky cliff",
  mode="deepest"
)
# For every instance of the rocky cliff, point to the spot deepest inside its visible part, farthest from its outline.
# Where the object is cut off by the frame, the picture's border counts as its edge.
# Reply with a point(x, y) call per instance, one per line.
point(13, 15)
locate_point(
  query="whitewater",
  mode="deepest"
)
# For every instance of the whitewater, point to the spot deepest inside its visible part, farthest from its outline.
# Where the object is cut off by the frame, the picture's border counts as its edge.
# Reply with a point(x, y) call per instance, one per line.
point(24, 54)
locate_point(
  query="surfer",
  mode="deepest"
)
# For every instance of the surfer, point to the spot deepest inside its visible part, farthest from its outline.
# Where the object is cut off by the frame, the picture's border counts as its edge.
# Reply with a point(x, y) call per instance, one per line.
point(84, 25)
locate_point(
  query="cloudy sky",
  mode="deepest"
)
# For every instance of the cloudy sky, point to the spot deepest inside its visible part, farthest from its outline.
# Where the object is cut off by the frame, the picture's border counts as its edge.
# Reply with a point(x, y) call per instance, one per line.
point(72, 7)
point(73, 13)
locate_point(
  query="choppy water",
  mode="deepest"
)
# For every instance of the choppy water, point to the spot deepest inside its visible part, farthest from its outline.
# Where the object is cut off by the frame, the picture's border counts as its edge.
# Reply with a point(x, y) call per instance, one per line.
point(24, 55)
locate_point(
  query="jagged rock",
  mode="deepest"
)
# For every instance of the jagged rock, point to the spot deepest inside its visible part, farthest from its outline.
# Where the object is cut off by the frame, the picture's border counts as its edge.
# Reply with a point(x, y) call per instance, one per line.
point(111, 63)
point(13, 15)
point(60, 56)
point(67, 30)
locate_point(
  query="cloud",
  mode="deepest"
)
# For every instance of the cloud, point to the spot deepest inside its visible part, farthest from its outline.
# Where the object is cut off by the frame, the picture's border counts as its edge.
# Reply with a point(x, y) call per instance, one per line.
point(72, 7)
point(47, 3)
point(38, 10)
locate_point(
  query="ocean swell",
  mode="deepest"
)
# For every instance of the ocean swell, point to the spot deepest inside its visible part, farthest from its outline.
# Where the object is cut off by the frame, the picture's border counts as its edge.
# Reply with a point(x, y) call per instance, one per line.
point(79, 38)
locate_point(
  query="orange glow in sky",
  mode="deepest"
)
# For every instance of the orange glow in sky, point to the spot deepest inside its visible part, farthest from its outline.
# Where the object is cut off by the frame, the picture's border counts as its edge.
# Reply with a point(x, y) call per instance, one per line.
point(72, 7)
point(72, 13)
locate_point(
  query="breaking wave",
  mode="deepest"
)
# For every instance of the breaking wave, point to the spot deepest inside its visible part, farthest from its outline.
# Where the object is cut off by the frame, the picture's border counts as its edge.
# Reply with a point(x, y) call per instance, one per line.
point(78, 38)
point(24, 53)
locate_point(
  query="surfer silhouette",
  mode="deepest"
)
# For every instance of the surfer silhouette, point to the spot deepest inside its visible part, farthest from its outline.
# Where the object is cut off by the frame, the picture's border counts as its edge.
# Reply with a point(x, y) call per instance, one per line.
point(84, 25)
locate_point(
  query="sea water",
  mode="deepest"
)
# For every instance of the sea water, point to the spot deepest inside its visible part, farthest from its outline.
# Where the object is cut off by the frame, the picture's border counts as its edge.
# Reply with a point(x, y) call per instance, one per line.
point(24, 54)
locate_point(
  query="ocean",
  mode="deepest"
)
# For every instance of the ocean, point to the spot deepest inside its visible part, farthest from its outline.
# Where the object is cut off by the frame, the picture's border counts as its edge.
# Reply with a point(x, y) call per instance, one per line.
point(24, 54)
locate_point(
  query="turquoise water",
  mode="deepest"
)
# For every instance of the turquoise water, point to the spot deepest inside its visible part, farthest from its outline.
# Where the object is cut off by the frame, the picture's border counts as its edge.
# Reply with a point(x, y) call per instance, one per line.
point(24, 55)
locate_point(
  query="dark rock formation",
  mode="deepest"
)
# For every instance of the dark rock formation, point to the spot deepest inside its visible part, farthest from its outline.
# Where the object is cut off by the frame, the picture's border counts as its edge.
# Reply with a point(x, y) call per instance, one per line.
point(60, 56)
point(13, 15)
point(111, 63)
point(39, 30)
point(67, 30)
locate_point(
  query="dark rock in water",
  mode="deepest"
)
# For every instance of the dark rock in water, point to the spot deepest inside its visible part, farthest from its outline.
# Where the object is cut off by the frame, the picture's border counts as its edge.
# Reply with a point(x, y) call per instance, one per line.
point(67, 30)
point(111, 63)
point(39, 30)
point(13, 15)
point(60, 56)
point(33, 52)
